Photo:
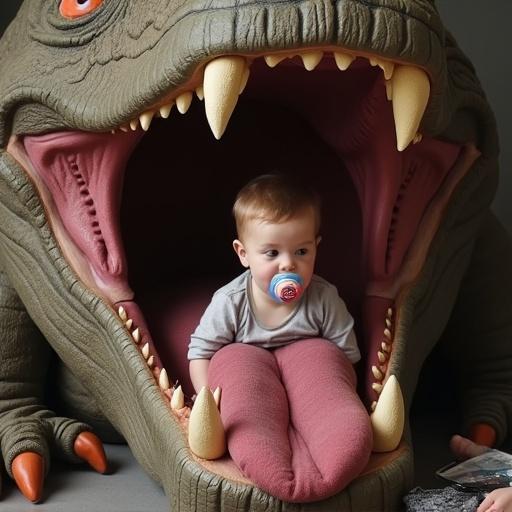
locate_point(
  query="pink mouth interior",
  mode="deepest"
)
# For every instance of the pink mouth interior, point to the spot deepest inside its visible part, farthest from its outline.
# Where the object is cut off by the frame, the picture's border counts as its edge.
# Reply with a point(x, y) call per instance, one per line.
point(155, 217)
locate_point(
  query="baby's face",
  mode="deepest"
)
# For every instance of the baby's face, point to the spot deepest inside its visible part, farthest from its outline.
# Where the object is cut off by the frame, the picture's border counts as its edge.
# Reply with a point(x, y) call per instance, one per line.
point(270, 248)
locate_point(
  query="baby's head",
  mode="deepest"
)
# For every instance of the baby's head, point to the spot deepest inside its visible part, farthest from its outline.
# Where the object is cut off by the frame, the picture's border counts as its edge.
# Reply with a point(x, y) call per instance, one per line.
point(278, 221)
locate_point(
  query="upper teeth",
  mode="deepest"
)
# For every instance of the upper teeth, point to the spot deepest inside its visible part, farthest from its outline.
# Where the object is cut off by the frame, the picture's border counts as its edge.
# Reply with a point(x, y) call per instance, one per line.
point(410, 91)
point(225, 78)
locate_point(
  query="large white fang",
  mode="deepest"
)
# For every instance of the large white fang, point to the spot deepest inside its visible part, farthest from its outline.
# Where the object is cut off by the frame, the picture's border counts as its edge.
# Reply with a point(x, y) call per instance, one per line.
point(205, 430)
point(223, 78)
point(410, 91)
point(388, 419)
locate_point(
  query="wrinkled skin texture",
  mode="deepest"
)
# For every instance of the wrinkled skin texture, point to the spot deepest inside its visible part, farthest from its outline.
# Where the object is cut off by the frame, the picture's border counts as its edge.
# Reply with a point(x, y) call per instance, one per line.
point(96, 73)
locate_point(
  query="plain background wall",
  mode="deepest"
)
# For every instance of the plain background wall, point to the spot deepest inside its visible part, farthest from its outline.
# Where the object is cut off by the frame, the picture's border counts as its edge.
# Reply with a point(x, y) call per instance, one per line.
point(481, 28)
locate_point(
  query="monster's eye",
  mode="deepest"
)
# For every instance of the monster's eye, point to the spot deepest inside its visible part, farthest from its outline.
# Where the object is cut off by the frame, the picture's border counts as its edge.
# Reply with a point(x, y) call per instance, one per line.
point(77, 8)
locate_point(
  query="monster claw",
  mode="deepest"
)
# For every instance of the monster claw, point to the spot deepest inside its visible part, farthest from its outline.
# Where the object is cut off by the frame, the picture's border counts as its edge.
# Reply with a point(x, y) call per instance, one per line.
point(89, 448)
point(28, 472)
point(483, 434)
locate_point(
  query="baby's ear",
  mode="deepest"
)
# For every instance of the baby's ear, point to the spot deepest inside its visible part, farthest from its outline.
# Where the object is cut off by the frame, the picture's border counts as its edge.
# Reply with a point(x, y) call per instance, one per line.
point(240, 251)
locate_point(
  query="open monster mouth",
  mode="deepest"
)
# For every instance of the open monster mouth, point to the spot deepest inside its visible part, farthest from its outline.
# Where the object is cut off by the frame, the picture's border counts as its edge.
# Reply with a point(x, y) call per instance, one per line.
point(144, 218)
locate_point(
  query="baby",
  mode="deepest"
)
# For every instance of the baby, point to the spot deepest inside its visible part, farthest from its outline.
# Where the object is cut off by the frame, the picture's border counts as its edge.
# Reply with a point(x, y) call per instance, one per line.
point(279, 341)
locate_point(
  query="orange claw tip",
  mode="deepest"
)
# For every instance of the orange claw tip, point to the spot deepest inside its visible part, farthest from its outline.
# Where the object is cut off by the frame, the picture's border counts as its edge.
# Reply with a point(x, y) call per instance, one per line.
point(28, 472)
point(482, 433)
point(89, 448)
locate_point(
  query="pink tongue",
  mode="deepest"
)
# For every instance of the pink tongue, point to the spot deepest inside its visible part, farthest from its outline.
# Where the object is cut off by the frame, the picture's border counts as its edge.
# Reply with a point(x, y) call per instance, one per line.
point(84, 174)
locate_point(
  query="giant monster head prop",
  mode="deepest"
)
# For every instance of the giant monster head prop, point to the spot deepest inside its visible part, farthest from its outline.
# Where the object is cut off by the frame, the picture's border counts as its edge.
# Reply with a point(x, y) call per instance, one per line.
point(110, 197)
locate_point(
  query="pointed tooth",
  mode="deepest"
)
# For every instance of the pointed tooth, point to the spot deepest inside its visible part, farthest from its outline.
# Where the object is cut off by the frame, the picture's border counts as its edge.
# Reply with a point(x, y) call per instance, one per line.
point(390, 312)
point(183, 102)
point(124, 128)
point(136, 335)
point(145, 120)
point(205, 430)
point(163, 380)
point(129, 323)
point(411, 90)
point(386, 347)
point(273, 60)
point(388, 323)
point(377, 387)
point(165, 111)
point(417, 138)
point(386, 66)
point(388, 419)
point(245, 79)
point(373, 406)
point(389, 90)
point(382, 357)
point(200, 92)
point(222, 80)
point(343, 60)
point(387, 333)
point(151, 361)
point(145, 350)
point(122, 314)
point(377, 373)
point(216, 396)
point(134, 124)
point(178, 399)
point(311, 59)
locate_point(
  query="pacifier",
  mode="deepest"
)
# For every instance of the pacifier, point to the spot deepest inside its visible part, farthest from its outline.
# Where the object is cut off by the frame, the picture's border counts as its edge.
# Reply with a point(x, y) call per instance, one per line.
point(286, 287)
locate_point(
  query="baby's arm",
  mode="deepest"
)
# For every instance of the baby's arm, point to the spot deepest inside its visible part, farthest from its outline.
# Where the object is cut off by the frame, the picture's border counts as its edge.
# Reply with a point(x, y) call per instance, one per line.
point(215, 330)
point(199, 373)
point(337, 324)
point(499, 500)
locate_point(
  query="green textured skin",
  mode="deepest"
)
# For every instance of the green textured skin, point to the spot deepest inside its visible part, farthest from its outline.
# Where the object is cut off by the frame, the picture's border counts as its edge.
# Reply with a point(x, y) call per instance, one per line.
point(51, 72)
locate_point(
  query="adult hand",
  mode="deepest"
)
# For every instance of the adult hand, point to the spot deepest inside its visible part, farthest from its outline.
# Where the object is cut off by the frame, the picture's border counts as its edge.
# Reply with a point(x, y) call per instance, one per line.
point(499, 500)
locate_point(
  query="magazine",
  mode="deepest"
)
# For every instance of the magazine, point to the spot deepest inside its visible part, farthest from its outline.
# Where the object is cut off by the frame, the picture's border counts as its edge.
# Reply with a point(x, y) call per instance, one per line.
point(491, 470)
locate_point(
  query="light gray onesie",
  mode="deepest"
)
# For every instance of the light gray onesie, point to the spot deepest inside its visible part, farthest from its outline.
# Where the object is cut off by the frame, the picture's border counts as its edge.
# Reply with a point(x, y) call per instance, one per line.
point(229, 318)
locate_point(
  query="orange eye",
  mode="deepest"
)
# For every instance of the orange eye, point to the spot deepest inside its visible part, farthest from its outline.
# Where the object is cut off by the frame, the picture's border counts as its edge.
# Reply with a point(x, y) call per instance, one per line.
point(77, 8)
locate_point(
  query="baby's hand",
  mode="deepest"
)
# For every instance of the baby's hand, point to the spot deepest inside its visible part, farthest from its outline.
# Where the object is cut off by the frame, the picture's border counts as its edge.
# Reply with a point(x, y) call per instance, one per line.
point(499, 500)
